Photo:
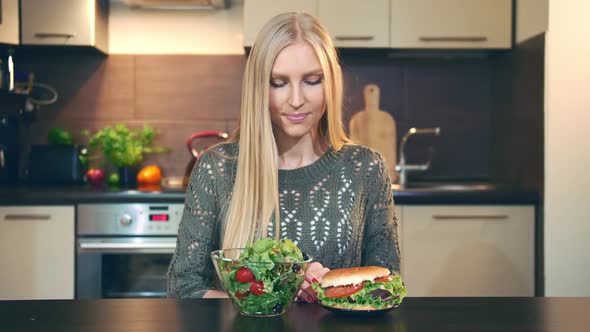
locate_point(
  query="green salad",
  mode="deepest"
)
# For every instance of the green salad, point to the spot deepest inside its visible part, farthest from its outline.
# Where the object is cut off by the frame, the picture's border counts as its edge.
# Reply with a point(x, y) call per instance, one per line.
point(266, 276)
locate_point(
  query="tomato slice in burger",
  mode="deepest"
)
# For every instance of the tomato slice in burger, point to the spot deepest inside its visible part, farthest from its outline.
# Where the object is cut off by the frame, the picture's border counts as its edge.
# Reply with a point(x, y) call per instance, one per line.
point(384, 279)
point(342, 291)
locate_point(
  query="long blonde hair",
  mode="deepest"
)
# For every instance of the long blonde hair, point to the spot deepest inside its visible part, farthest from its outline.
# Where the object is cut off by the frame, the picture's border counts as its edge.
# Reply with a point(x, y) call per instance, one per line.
point(255, 197)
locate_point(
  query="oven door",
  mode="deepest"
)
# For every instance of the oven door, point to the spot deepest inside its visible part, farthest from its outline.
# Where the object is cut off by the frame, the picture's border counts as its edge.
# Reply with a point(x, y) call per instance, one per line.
point(123, 267)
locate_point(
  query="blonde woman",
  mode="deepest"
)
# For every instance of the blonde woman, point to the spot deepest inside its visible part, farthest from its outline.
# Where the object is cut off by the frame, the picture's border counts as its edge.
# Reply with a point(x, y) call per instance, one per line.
point(290, 171)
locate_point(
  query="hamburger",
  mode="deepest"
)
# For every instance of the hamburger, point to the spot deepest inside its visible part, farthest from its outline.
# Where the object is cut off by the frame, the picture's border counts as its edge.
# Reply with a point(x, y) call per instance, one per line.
point(360, 288)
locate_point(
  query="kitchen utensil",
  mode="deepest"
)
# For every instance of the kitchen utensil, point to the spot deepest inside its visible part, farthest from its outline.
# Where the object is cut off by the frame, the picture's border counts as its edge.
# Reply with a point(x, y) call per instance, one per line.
point(375, 128)
point(172, 182)
point(55, 164)
point(196, 153)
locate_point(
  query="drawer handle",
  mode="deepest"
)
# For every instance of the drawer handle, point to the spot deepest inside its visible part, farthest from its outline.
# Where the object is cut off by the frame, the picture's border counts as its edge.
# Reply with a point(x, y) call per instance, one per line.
point(129, 246)
point(17, 217)
point(54, 35)
point(468, 39)
point(353, 38)
point(469, 216)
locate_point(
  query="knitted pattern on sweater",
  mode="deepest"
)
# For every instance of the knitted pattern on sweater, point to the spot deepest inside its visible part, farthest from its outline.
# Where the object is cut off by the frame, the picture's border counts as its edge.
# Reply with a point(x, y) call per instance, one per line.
point(339, 210)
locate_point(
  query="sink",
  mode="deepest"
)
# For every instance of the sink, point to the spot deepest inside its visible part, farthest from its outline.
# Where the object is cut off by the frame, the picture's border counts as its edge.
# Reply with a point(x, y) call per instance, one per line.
point(445, 186)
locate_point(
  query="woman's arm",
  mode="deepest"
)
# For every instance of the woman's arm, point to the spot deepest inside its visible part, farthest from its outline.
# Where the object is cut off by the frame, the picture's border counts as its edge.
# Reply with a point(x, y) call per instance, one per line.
point(380, 240)
point(191, 270)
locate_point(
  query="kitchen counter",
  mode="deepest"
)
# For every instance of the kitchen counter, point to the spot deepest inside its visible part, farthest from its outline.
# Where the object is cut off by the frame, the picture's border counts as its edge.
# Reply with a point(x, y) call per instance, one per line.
point(32, 195)
point(415, 314)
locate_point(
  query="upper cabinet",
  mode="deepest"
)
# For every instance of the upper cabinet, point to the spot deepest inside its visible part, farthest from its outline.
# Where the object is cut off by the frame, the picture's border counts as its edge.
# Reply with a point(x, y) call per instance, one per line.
point(351, 23)
point(65, 22)
point(355, 23)
point(258, 12)
point(451, 24)
point(9, 22)
point(401, 24)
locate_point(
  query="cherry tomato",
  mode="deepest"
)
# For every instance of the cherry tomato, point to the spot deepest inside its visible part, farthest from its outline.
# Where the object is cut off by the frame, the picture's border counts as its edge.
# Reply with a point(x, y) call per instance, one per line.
point(242, 295)
point(244, 274)
point(256, 287)
point(384, 279)
point(341, 291)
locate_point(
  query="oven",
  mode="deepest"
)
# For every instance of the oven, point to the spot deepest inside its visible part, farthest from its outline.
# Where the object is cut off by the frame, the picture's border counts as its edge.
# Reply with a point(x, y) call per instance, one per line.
point(123, 250)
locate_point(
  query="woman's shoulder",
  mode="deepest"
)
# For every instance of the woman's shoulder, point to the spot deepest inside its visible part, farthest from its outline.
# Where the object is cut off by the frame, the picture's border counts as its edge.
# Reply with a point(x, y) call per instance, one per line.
point(220, 159)
point(362, 153)
point(224, 150)
point(361, 159)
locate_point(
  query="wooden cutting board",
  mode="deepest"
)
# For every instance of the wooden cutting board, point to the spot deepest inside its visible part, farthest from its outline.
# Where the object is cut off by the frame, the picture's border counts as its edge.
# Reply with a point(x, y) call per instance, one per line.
point(376, 129)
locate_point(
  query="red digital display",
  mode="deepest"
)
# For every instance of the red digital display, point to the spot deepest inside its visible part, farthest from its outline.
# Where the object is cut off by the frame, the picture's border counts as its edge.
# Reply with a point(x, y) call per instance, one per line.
point(159, 217)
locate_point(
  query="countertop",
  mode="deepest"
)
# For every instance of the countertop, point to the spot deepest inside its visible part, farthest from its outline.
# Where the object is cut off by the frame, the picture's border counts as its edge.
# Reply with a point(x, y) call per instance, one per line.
point(414, 314)
point(71, 195)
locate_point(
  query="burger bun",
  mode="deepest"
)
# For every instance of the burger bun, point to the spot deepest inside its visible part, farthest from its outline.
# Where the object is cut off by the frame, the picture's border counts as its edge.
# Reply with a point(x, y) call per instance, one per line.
point(352, 276)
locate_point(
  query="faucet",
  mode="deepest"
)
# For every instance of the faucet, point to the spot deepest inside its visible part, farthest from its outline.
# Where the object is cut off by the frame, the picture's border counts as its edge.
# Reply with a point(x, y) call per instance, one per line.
point(402, 167)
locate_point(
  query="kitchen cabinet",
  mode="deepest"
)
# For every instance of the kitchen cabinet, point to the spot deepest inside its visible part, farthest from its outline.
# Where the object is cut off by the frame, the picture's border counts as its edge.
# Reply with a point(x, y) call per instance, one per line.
point(37, 252)
point(401, 24)
point(451, 24)
point(355, 23)
point(351, 23)
point(9, 22)
point(467, 250)
point(65, 22)
point(258, 12)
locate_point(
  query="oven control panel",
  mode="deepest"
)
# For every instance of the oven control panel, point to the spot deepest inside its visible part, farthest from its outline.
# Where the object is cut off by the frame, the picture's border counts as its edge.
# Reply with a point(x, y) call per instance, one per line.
point(128, 219)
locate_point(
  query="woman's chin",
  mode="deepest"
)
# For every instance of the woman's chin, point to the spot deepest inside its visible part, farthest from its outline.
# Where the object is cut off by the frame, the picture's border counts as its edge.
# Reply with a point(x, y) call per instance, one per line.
point(295, 132)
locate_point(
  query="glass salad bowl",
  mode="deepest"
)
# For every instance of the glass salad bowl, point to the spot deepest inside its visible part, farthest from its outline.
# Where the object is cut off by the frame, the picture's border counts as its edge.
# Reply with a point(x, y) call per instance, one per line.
point(260, 284)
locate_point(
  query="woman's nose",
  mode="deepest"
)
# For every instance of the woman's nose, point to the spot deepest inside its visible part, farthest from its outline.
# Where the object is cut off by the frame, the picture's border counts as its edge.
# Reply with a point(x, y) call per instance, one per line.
point(296, 98)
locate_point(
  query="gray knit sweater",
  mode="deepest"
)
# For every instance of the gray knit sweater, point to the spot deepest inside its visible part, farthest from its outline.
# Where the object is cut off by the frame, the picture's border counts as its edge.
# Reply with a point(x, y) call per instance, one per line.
point(339, 210)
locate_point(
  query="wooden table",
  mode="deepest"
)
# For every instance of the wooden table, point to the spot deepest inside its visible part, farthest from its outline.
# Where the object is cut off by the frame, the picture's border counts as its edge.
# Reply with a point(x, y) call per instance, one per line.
point(415, 314)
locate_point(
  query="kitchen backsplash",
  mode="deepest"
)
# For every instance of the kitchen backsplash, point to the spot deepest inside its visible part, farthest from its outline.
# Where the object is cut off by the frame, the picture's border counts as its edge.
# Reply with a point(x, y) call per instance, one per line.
point(182, 94)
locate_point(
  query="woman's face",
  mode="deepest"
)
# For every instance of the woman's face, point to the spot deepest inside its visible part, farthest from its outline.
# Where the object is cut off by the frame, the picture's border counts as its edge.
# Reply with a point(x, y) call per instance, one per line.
point(297, 100)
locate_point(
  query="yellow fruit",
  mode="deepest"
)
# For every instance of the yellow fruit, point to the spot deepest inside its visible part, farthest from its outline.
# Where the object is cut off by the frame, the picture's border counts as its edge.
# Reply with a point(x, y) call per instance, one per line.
point(150, 174)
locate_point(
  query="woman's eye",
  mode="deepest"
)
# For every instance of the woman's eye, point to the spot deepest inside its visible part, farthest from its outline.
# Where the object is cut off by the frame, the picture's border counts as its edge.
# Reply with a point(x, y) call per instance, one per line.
point(277, 84)
point(313, 82)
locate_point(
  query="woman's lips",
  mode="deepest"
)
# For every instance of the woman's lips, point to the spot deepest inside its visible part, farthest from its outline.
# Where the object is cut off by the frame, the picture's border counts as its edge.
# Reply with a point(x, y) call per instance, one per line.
point(296, 118)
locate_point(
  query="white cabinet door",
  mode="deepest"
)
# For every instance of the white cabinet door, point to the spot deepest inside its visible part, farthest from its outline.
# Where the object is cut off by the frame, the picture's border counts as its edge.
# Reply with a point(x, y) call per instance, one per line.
point(258, 12)
point(468, 250)
point(37, 252)
point(356, 23)
point(9, 22)
point(64, 22)
point(451, 24)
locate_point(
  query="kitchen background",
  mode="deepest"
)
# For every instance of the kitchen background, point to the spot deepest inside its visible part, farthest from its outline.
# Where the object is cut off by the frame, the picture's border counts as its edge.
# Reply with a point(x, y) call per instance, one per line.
point(489, 105)
point(517, 116)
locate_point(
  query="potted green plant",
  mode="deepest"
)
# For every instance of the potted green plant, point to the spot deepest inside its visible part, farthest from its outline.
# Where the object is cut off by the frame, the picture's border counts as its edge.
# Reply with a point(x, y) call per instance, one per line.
point(125, 148)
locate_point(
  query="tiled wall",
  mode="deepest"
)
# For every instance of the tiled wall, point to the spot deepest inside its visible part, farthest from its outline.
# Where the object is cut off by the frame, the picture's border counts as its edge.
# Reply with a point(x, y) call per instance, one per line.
point(182, 94)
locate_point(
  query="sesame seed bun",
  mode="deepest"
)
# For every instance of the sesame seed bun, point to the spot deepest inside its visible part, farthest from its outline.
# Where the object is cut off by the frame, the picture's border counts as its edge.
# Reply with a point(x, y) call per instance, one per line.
point(352, 275)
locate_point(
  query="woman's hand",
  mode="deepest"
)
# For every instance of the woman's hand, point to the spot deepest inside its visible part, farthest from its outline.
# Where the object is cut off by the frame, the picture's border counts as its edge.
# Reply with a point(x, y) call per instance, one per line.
point(314, 273)
point(215, 294)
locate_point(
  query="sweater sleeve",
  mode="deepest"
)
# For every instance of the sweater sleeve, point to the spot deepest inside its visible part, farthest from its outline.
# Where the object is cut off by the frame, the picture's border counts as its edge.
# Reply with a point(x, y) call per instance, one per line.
point(380, 239)
point(191, 270)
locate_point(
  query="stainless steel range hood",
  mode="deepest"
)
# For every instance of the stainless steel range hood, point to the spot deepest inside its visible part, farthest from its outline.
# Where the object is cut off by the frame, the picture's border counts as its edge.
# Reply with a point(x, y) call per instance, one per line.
point(178, 4)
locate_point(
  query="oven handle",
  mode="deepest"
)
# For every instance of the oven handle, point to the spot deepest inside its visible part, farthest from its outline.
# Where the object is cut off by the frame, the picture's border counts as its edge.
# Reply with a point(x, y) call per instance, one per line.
point(106, 246)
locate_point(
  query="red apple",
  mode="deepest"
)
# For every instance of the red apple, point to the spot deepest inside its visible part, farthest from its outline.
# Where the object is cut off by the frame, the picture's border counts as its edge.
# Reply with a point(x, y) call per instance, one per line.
point(95, 176)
